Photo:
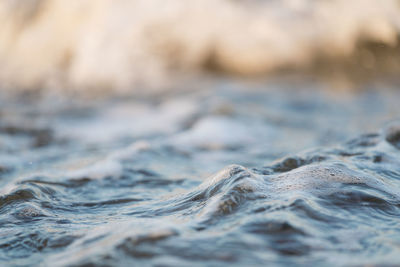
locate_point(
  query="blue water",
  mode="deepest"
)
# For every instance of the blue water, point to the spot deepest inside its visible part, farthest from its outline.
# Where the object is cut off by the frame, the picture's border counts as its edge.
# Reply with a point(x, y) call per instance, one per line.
point(246, 174)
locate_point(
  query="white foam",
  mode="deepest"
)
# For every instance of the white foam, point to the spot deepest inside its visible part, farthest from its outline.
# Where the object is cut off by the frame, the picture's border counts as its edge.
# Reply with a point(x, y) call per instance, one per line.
point(218, 132)
point(97, 170)
point(133, 120)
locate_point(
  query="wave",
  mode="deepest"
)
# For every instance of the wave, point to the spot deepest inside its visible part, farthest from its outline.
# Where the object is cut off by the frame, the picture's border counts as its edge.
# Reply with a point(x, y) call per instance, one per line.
point(306, 210)
point(129, 207)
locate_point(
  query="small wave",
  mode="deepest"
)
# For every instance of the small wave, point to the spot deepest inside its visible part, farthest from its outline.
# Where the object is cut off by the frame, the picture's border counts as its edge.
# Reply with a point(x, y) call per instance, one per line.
point(393, 134)
point(118, 200)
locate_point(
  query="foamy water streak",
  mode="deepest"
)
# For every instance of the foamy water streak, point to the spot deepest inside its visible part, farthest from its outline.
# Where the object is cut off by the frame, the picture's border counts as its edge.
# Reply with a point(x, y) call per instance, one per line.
point(129, 44)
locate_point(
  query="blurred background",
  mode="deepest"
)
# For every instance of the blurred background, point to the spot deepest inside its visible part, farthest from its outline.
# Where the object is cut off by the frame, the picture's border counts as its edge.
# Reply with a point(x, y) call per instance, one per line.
point(197, 72)
point(104, 100)
point(137, 46)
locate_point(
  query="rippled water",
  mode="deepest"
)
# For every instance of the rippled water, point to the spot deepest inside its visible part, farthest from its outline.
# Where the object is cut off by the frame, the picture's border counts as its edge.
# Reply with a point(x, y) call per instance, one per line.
point(236, 173)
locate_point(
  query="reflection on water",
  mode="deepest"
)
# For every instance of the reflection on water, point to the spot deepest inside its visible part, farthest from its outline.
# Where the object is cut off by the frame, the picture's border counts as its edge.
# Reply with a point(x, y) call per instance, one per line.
point(235, 173)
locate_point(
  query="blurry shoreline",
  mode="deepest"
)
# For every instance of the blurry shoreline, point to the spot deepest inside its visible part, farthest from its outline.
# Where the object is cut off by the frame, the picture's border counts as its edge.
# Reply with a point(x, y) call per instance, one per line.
point(106, 47)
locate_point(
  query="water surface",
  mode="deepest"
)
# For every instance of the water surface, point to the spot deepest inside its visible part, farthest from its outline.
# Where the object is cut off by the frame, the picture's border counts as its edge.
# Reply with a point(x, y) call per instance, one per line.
point(234, 174)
